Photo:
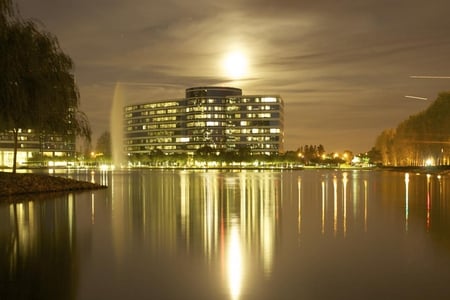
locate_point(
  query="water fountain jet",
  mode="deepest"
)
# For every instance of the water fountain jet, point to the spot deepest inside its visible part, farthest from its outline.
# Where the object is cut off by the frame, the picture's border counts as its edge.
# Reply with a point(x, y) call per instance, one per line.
point(116, 127)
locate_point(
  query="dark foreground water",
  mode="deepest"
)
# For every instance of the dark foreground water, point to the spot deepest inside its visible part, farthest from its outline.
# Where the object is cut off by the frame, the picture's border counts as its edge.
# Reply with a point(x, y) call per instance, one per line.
point(231, 235)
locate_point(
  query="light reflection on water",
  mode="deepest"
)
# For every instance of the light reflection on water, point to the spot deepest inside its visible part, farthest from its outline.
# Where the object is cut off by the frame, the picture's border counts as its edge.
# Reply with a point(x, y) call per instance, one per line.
point(230, 235)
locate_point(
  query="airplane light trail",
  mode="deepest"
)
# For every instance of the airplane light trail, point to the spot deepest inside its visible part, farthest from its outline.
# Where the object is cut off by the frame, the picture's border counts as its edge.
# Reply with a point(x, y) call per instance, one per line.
point(429, 77)
point(415, 97)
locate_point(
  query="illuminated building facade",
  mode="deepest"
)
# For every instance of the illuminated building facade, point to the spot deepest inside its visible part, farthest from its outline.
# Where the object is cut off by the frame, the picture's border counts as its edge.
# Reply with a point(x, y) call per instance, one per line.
point(31, 143)
point(217, 117)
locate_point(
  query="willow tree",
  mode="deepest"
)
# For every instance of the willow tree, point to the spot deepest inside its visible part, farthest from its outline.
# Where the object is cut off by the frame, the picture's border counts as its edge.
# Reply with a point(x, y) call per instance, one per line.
point(37, 86)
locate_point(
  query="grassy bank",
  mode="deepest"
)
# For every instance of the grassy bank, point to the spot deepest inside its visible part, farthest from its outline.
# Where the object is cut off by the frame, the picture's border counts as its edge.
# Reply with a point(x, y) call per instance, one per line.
point(20, 184)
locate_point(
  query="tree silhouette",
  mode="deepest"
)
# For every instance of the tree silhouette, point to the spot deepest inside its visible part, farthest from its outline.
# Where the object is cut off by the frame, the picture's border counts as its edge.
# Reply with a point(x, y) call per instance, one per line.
point(422, 136)
point(37, 86)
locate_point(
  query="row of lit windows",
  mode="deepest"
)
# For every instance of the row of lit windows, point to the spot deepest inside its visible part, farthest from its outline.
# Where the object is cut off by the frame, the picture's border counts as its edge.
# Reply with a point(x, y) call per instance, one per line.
point(200, 101)
point(160, 104)
point(147, 143)
point(164, 119)
point(152, 120)
point(206, 116)
point(259, 138)
point(161, 112)
point(205, 124)
point(193, 103)
point(259, 107)
point(204, 108)
point(147, 148)
point(201, 109)
point(164, 104)
point(244, 108)
point(169, 115)
point(261, 115)
point(254, 116)
point(255, 131)
point(36, 138)
point(161, 126)
point(203, 131)
point(259, 123)
point(253, 100)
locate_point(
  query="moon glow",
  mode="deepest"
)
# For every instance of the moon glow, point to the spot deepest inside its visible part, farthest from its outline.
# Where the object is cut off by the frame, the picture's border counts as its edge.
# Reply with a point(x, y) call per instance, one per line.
point(235, 65)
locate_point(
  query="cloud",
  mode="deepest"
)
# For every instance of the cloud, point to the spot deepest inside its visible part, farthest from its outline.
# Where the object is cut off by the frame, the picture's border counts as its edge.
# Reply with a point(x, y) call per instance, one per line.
point(337, 64)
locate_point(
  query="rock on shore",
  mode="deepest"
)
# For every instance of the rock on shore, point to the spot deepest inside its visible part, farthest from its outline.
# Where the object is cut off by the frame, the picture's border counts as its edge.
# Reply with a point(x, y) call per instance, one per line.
point(19, 184)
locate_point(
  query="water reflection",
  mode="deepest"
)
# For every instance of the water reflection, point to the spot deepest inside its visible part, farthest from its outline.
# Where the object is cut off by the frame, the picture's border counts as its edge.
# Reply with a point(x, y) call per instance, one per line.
point(335, 199)
point(235, 233)
point(234, 259)
point(229, 217)
point(38, 258)
point(406, 200)
point(428, 194)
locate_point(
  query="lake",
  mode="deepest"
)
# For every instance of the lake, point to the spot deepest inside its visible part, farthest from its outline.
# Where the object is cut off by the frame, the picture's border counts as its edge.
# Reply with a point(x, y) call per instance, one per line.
point(243, 234)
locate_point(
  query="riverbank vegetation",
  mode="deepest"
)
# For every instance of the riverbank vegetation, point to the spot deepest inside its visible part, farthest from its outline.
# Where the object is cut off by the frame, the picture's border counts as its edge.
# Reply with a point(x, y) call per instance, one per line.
point(421, 140)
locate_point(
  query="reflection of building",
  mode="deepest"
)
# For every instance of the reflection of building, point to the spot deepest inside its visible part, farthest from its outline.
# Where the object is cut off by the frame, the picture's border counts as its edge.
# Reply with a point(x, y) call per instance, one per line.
point(31, 143)
point(218, 117)
point(34, 234)
point(230, 219)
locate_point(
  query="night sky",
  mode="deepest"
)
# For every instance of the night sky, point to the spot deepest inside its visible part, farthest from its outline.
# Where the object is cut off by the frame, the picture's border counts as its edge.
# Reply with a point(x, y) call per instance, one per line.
point(343, 68)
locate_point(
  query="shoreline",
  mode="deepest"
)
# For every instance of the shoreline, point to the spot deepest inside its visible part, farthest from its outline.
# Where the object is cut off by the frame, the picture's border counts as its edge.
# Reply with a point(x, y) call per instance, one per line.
point(438, 170)
point(18, 184)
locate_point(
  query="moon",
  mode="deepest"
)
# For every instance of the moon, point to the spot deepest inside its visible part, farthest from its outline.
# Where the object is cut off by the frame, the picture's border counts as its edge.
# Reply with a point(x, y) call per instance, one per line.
point(235, 65)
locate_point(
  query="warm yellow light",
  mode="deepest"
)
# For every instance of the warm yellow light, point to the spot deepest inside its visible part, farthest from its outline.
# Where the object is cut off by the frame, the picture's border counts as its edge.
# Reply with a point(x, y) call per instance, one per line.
point(234, 263)
point(235, 65)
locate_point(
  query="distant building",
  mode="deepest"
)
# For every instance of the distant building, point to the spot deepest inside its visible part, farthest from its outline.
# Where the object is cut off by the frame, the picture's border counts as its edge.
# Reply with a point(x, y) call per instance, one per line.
point(31, 143)
point(217, 117)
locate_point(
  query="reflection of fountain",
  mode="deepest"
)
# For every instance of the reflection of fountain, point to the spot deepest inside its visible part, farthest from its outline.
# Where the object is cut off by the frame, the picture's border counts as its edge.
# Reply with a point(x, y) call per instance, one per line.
point(116, 127)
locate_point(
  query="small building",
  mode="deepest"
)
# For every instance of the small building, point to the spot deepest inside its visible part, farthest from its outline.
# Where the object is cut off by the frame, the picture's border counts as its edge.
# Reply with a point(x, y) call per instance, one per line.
point(32, 144)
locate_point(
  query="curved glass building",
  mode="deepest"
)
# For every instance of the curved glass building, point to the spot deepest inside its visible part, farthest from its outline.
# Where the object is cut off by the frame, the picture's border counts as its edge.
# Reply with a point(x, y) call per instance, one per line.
point(218, 117)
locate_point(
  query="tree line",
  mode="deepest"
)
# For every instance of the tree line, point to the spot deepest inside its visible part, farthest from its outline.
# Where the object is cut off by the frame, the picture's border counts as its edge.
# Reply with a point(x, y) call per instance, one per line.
point(420, 140)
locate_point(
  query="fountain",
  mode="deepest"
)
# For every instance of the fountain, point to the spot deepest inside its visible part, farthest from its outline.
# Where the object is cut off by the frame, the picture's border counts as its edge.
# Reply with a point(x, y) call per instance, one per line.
point(116, 127)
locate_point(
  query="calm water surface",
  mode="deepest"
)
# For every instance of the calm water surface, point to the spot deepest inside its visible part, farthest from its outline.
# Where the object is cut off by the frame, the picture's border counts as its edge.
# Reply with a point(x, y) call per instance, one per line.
point(167, 234)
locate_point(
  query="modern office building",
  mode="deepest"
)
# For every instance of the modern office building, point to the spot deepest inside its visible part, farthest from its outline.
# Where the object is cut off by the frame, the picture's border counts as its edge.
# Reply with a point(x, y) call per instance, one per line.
point(217, 117)
point(30, 143)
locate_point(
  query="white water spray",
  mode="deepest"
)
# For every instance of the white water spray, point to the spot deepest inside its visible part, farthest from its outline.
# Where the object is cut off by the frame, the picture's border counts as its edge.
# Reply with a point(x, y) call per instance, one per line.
point(116, 127)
